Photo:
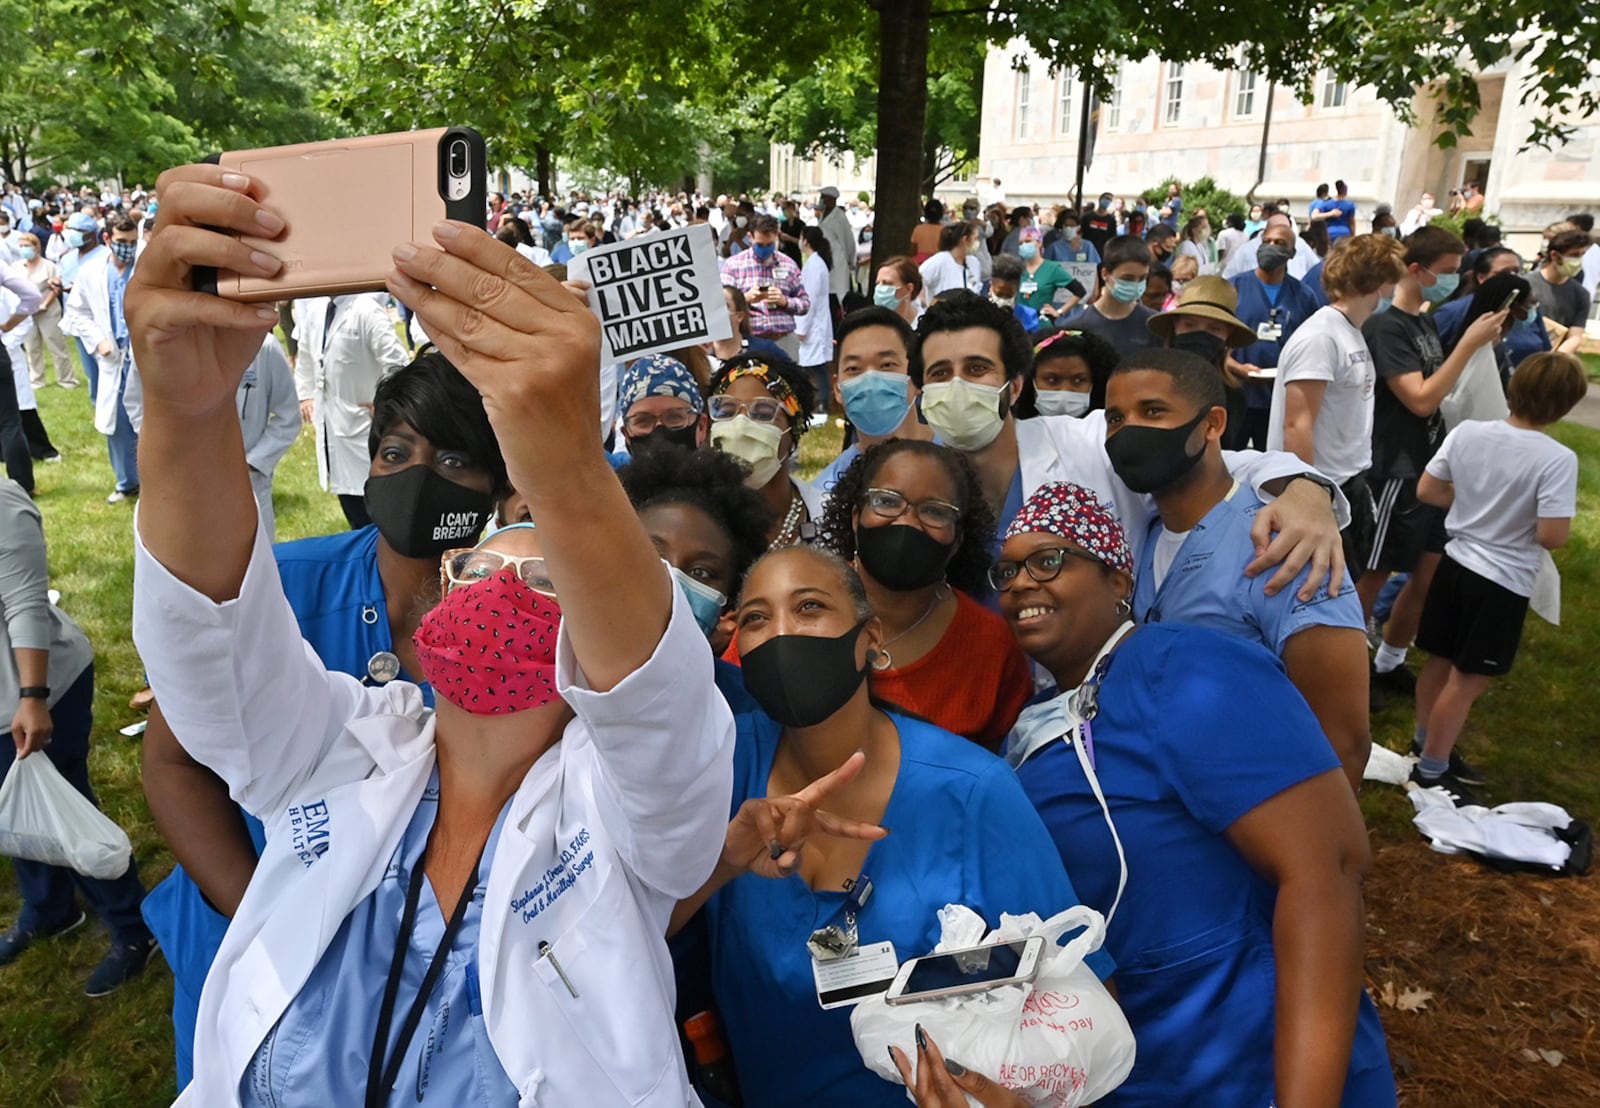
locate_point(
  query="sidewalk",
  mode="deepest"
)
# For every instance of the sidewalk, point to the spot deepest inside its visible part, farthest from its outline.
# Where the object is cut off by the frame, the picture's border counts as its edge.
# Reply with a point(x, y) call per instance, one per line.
point(1587, 413)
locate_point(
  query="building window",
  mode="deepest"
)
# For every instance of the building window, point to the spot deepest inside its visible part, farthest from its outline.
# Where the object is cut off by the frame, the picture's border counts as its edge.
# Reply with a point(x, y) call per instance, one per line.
point(1113, 105)
point(1024, 91)
point(1333, 91)
point(1244, 93)
point(1064, 103)
point(1174, 93)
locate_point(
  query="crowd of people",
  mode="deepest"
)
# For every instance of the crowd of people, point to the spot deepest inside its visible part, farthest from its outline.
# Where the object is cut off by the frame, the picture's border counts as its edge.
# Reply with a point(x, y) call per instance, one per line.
point(606, 726)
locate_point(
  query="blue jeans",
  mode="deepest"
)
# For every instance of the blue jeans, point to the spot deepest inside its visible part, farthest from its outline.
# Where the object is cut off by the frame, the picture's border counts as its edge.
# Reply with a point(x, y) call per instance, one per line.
point(48, 897)
point(123, 443)
point(91, 369)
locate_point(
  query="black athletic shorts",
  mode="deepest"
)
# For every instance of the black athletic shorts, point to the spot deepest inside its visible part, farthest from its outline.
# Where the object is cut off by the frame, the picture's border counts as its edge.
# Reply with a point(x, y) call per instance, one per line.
point(1403, 525)
point(1471, 620)
point(1363, 522)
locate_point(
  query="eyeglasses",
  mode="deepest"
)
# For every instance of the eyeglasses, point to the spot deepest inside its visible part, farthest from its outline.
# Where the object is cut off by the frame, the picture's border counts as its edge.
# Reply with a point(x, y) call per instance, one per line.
point(763, 409)
point(469, 566)
point(938, 514)
point(1042, 565)
point(673, 419)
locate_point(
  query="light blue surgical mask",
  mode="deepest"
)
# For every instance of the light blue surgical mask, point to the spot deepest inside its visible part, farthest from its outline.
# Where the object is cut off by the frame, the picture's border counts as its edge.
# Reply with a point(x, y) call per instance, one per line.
point(577, 246)
point(1529, 323)
point(1127, 291)
point(1028, 251)
point(1443, 287)
point(884, 296)
point(1384, 304)
point(875, 401)
point(75, 238)
point(705, 602)
point(28, 253)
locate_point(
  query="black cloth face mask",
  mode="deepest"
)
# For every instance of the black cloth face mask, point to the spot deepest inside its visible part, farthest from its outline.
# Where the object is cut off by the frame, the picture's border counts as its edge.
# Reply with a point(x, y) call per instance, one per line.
point(801, 680)
point(1201, 343)
point(1148, 459)
point(640, 445)
point(422, 514)
point(902, 557)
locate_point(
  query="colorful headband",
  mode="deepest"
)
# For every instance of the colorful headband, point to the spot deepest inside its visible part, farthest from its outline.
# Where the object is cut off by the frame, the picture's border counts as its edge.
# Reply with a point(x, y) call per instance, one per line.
point(1074, 513)
point(774, 382)
point(1052, 339)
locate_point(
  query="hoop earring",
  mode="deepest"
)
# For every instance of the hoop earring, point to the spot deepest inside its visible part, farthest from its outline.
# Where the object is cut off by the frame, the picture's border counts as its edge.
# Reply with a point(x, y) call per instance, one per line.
point(879, 660)
point(1125, 607)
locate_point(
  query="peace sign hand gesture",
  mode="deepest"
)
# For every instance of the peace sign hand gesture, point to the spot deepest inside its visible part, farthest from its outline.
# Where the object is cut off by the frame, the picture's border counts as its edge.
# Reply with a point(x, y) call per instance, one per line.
point(768, 833)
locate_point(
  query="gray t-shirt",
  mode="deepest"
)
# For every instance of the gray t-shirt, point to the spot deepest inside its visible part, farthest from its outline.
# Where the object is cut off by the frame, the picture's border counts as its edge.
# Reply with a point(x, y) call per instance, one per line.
point(1127, 335)
point(1566, 303)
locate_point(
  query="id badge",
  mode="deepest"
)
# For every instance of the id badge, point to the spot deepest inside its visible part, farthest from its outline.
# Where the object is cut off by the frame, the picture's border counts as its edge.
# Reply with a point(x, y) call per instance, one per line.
point(1268, 331)
point(1029, 288)
point(846, 982)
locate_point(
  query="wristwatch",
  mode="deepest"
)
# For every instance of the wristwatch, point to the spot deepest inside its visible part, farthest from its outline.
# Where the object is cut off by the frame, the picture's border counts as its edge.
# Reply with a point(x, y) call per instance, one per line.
point(34, 692)
point(1317, 479)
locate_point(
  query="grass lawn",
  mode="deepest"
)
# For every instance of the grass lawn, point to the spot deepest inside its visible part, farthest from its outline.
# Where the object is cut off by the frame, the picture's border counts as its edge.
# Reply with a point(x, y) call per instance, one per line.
point(1534, 733)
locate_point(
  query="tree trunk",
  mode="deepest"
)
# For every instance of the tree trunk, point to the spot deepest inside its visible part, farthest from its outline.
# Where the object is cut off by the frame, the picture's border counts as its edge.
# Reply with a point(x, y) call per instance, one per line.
point(902, 117)
point(543, 168)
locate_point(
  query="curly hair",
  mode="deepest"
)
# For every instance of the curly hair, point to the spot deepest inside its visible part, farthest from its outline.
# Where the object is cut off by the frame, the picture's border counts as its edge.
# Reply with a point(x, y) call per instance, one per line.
point(969, 565)
point(707, 480)
point(1099, 355)
point(801, 383)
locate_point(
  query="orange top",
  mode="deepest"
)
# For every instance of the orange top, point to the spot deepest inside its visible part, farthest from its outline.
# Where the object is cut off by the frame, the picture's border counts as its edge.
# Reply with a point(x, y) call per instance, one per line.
point(974, 683)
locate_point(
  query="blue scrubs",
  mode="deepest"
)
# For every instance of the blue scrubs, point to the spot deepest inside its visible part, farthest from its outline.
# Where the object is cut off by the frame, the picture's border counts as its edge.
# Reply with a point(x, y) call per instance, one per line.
point(1313, 281)
point(963, 833)
point(319, 1050)
point(1287, 304)
point(829, 477)
point(1179, 762)
point(1206, 586)
point(332, 584)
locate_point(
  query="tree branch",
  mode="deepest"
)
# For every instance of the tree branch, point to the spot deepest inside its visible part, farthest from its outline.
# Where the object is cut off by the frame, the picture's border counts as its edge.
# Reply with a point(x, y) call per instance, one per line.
point(939, 13)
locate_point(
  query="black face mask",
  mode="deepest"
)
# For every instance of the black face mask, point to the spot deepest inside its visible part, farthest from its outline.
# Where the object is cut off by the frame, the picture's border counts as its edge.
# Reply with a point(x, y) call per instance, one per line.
point(801, 680)
point(902, 557)
point(422, 514)
point(1203, 343)
point(1149, 459)
point(640, 445)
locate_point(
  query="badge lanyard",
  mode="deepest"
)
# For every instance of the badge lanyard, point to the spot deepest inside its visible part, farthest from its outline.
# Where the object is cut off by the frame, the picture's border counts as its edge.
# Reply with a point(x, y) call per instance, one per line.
point(383, 1068)
point(1086, 705)
point(831, 943)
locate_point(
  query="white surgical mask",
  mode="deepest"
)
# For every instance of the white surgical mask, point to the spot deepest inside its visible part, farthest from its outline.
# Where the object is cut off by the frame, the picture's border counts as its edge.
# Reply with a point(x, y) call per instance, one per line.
point(964, 415)
point(1061, 402)
point(754, 444)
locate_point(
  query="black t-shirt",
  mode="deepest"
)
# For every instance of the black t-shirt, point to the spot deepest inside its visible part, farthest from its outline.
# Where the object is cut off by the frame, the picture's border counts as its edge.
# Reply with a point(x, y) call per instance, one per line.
point(1402, 442)
point(791, 227)
point(1100, 228)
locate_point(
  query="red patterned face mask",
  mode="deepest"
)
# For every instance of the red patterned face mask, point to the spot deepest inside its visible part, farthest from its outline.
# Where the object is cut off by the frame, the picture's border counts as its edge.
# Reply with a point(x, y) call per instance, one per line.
point(490, 648)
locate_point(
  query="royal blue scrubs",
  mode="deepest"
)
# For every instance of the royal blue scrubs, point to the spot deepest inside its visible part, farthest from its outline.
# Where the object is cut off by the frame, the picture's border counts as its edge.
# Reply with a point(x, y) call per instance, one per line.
point(961, 832)
point(332, 584)
point(1195, 729)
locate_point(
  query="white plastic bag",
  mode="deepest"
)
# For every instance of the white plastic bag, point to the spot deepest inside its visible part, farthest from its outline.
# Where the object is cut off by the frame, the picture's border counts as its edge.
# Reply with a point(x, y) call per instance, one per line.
point(1060, 1041)
point(44, 819)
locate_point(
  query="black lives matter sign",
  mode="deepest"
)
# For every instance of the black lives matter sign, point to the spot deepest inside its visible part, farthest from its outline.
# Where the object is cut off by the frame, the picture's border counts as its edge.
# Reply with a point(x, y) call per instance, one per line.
point(659, 292)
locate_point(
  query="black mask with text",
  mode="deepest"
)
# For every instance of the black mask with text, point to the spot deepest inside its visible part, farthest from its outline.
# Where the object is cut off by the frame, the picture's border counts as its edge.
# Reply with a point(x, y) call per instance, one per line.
point(421, 514)
point(1149, 459)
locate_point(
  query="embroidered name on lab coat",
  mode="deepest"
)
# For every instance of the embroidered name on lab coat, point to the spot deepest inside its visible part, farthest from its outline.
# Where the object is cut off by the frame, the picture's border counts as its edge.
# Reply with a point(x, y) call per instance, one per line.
point(557, 880)
point(309, 835)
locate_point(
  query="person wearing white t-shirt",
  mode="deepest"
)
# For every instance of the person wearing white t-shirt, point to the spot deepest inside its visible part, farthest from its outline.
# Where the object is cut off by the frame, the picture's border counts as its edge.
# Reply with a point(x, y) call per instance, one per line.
point(1322, 395)
point(951, 268)
point(1511, 492)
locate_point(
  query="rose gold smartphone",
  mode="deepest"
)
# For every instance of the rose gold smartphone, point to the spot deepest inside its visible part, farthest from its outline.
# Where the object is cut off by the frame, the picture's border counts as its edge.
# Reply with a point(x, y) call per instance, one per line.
point(349, 202)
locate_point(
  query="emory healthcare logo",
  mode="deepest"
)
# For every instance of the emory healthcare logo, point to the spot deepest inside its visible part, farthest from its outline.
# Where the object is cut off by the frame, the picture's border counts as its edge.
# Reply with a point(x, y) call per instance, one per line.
point(308, 831)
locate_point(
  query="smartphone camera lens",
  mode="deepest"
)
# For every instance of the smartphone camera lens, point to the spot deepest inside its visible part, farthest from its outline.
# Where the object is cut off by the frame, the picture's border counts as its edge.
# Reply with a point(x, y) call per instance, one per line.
point(458, 158)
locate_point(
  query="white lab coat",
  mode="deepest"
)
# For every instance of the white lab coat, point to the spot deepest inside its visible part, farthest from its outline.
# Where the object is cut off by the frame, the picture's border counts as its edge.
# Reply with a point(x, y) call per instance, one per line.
point(88, 316)
point(815, 328)
point(339, 369)
point(13, 340)
point(841, 237)
point(609, 829)
point(1065, 448)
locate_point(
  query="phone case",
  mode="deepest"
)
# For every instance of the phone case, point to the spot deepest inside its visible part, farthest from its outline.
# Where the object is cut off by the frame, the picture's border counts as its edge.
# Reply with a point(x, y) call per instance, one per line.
point(347, 203)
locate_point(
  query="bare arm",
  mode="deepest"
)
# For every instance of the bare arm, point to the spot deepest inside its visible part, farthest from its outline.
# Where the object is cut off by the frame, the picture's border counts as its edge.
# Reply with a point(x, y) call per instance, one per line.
point(194, 814)
point(1435, 491)
point(1309, 841)
point(1553, 533)
point(1423, 395)
point(1302, 400)
point(532, 349)
point(1572, 340)
point(1329, 667)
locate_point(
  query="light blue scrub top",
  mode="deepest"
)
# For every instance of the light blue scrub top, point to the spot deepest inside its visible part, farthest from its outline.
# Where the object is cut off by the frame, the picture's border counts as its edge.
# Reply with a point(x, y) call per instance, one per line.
point(1206, 585)
point(332, 584)
point(319, 1050)
point(1195, 729)
point(962, 832)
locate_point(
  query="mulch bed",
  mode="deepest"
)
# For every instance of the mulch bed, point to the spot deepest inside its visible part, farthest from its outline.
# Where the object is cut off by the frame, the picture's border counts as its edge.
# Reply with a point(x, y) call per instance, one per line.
point(1511, 968)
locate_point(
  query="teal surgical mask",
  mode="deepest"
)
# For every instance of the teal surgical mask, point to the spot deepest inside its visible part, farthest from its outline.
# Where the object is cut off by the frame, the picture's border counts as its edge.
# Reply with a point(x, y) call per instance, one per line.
point(28, 253)
point(884, 296)
point(705, 602)
point(1443, 287)
point(1028, 251)
point(1384, 304)
point(875, 401)
point(1128, 292)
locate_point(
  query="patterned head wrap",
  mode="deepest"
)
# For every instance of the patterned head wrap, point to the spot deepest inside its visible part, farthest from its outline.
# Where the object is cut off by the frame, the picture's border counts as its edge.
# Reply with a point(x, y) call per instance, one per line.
point(658, 375)
point(1074, 513)
point(776, 385)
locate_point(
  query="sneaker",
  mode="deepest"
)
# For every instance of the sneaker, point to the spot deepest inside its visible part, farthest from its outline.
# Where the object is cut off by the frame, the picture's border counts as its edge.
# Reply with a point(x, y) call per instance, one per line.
point(122, 964)
point(1458, 793)
point(1374, 632)
point(15, 941)
point(119, 495)
point(1400, 681)
point(68, 384)
point(52, 459)
point(1461, 769)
